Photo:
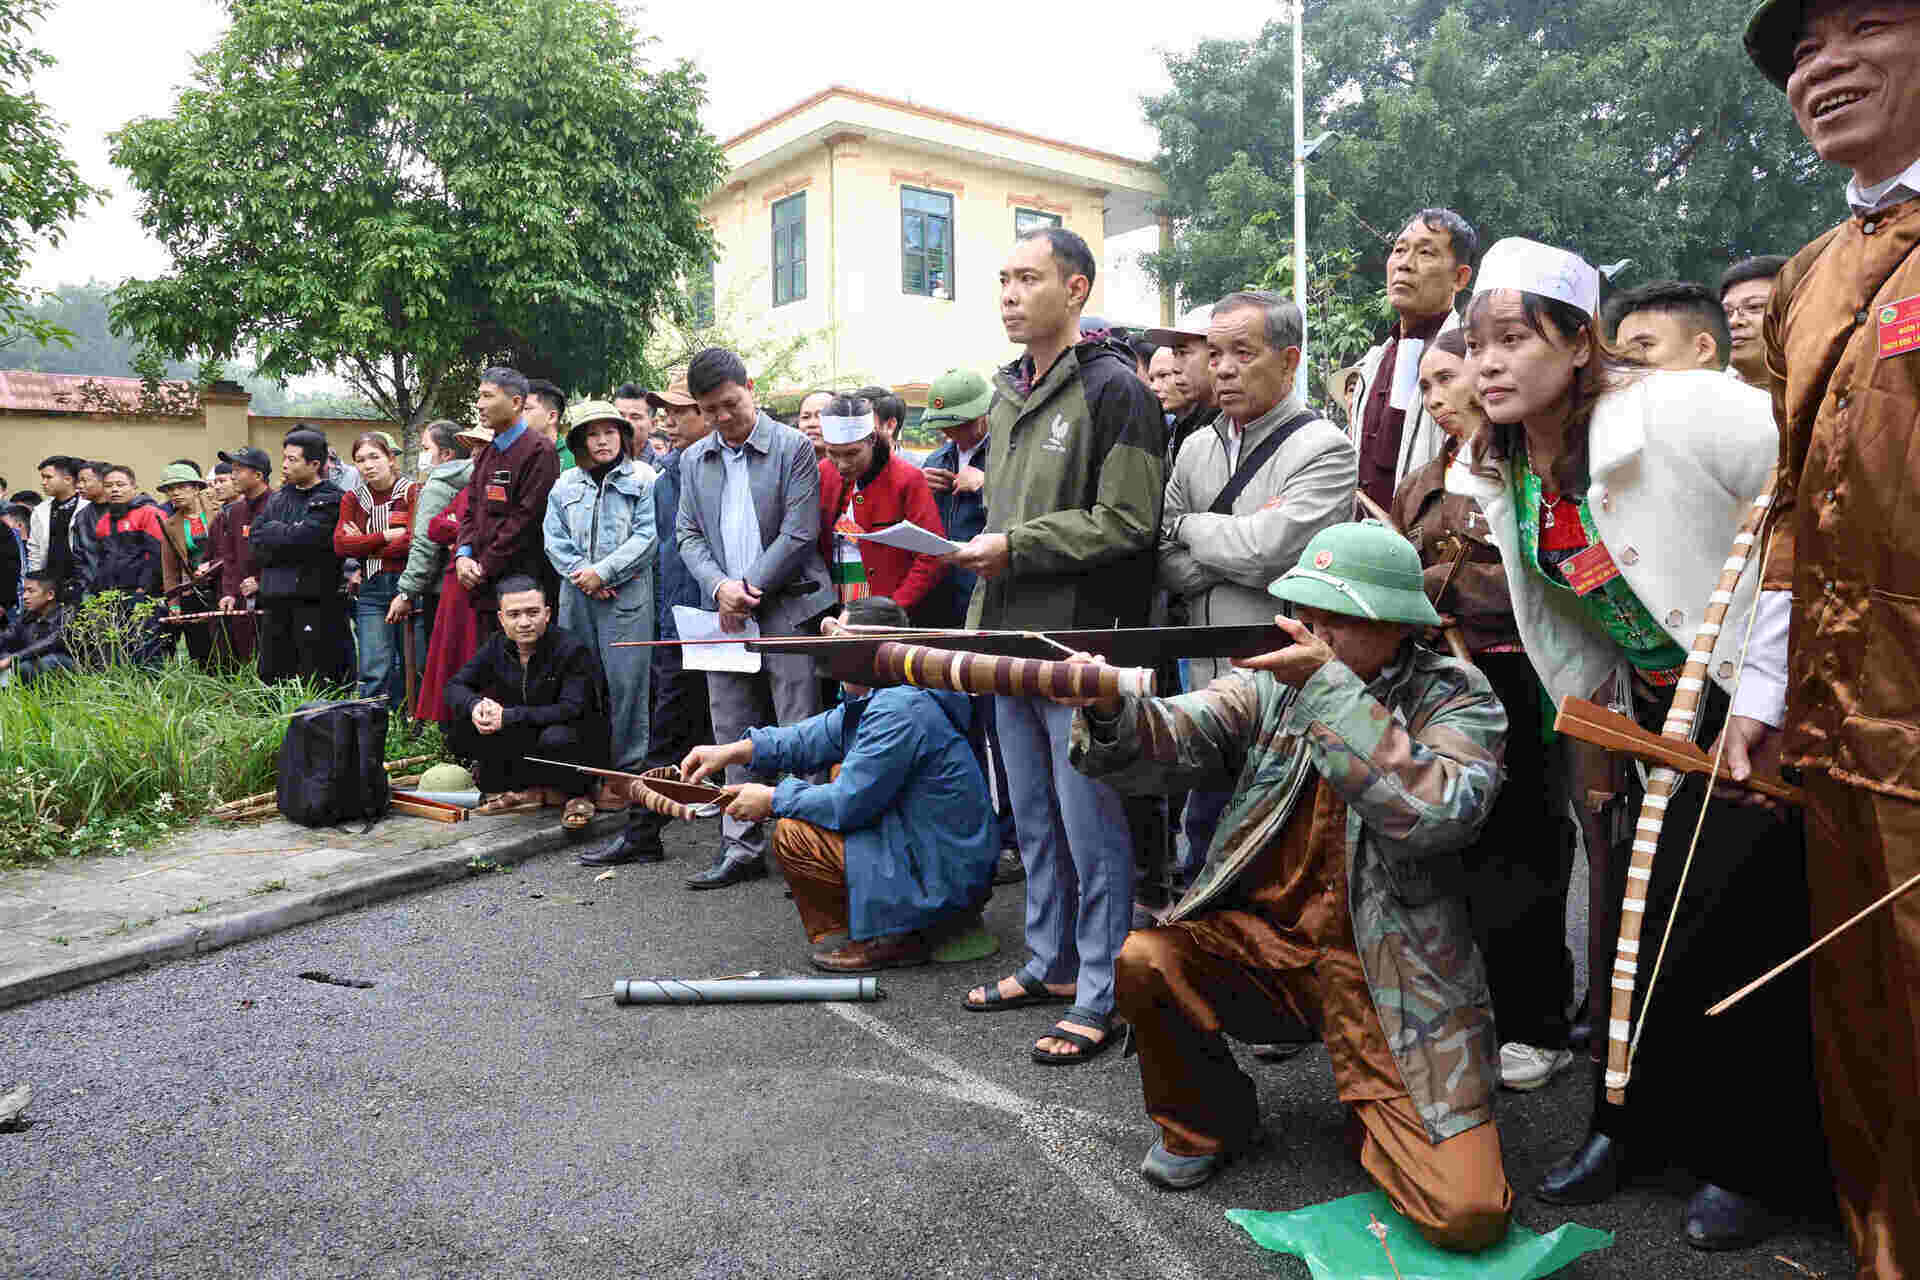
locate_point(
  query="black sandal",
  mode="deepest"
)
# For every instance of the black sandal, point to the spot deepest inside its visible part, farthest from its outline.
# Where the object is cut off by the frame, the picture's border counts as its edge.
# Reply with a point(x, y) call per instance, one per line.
point(1032, 991)
point(1089, 1047)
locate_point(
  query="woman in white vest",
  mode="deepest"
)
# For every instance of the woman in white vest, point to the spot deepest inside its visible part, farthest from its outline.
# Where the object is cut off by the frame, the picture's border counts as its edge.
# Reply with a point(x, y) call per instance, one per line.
point(1614, 494)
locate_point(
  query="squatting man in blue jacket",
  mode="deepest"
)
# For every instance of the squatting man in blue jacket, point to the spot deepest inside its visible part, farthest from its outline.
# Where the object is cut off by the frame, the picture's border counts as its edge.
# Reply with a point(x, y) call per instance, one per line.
point(898, 850)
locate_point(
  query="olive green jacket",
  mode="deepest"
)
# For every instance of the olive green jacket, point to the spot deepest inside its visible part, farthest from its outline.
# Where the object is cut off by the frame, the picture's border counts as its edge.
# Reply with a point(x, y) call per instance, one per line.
point(1077, 467)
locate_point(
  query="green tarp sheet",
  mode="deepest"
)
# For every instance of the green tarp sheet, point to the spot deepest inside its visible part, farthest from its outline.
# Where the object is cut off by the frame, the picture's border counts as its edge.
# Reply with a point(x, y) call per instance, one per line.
point(1336, 1244)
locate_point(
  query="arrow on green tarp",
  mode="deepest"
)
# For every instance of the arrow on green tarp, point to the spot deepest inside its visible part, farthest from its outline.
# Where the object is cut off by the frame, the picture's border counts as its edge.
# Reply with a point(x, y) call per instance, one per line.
point(1334, 1242)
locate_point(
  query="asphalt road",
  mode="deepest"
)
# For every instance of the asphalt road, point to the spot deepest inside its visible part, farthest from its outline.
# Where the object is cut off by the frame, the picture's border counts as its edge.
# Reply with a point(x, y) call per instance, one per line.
point(469, 1114)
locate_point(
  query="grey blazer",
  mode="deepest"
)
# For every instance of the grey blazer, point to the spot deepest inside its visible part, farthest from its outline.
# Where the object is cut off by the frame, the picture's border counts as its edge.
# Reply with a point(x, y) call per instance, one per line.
point(790, 575)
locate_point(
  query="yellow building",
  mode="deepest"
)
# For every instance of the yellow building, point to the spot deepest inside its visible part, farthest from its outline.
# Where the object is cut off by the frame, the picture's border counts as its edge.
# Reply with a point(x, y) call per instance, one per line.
point(881, 226)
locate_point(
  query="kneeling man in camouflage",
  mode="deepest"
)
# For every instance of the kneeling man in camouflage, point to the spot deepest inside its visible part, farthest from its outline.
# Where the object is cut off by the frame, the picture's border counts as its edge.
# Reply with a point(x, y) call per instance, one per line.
point(1361, 763)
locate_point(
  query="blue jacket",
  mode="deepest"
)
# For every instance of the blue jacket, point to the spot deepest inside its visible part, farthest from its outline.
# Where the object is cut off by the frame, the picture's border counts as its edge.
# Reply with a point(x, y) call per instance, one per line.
point(964, 515)
point(910, 800)
point(673, 582)
point(608, 527)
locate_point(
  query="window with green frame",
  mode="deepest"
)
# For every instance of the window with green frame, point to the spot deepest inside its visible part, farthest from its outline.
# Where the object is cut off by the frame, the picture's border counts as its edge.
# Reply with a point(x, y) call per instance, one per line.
point(926, 243)
point(790, 249)
point(1025, 220)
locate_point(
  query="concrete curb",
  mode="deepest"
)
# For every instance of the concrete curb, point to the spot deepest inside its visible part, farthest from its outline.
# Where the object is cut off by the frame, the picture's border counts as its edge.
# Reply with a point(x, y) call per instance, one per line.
point(214, 930)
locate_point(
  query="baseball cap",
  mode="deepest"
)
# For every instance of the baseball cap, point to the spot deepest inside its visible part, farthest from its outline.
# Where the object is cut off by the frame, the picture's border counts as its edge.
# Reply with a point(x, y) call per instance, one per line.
point(248, 457)
point(956, 397)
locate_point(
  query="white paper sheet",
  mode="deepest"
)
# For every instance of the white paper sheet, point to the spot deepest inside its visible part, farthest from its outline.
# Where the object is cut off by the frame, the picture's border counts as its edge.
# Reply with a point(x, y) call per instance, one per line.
point(909, 536)
point(703, 624)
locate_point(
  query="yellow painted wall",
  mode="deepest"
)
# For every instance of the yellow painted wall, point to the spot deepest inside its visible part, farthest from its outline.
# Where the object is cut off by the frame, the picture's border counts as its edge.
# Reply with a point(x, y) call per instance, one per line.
point(149, 444)
point(854, 273)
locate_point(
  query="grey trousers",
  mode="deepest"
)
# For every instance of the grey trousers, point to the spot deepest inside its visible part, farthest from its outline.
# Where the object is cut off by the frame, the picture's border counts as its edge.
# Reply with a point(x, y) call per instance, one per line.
point(785, 691)
point(597, 624)
point(1077, 849)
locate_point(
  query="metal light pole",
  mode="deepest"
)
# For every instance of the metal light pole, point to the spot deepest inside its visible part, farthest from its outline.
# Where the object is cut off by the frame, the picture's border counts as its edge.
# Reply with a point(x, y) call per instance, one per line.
point(1300, 186)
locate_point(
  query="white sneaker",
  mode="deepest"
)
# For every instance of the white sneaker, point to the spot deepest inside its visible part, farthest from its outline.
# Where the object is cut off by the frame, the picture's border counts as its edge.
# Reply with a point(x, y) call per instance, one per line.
point(1522, 1066)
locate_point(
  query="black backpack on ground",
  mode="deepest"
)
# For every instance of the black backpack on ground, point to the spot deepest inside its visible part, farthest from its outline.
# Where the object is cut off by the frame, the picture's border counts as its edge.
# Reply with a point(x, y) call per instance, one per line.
point(332, 764)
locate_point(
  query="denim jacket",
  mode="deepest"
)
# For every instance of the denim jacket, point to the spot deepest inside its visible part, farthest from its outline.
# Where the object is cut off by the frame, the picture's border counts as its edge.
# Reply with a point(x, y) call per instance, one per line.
point(608, 527)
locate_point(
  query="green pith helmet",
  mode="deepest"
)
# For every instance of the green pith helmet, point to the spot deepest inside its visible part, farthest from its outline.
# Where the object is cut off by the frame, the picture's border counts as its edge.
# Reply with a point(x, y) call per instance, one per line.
point(956, 398)
point(179, 473)
point(1364, 570)
point(445, 777)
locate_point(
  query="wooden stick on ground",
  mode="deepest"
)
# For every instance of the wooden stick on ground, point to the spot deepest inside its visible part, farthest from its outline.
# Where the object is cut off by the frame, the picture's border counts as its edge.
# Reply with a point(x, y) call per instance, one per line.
point(1797, 957)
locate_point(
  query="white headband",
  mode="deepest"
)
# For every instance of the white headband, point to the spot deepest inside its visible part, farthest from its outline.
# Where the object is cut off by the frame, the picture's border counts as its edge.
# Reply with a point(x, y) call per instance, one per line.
point(1528, 265)
point(846, 430)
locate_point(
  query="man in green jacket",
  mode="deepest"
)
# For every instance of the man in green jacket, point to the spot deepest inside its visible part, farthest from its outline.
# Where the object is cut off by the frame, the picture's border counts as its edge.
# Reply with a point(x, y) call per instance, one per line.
point(1361, 765)
point(1073, 514)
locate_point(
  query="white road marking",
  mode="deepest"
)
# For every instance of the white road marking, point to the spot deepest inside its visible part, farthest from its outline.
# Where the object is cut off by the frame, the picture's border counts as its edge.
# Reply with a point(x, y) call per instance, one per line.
point(1058, 1133)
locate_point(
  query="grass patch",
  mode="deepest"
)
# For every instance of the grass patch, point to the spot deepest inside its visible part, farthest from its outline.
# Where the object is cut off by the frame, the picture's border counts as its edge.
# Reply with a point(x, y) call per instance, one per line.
point(105, 761)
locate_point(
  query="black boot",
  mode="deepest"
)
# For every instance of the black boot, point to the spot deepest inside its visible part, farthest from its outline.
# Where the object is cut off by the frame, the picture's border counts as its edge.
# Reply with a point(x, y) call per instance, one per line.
point(728, 868)
point(1721, 1219)
point(1589, 1175)
point(633, 845)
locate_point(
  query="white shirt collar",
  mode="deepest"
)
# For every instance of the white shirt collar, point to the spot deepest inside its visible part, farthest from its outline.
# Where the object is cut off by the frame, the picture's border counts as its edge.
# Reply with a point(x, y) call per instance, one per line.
point(1904, 185)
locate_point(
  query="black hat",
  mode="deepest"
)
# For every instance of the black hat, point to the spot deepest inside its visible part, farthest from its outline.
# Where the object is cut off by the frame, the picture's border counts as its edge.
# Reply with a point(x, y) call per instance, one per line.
point(249, 457)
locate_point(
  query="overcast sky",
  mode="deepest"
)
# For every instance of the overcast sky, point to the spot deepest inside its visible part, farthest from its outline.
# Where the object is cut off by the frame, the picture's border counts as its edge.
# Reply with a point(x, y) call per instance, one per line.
point(1069, 71)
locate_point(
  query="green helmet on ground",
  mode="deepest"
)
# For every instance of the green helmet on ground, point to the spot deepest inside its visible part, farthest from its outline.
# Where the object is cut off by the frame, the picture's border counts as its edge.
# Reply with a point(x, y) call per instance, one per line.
point(446, 777)
point(1363, 570)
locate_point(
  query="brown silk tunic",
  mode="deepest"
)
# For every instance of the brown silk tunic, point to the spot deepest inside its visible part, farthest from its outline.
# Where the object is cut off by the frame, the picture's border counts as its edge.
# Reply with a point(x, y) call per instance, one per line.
point(1297, 886)
point(1845, 536)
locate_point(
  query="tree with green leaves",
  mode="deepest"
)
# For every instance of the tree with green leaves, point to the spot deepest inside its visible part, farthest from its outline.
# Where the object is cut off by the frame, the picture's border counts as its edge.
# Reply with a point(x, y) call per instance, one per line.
point(1618, 128)
point(40, 189)
point(405, 191)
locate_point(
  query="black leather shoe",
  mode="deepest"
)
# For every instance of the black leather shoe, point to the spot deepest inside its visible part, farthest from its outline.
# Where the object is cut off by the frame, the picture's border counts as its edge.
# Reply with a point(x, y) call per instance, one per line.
point(629, 847)
point(1721, 1219)
point(728, 870)
point(1589, 1175)
point(1007, 868)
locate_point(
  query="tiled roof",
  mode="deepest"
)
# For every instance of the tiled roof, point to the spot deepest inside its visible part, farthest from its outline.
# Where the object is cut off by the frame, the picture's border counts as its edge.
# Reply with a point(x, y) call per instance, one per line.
point(31, 392)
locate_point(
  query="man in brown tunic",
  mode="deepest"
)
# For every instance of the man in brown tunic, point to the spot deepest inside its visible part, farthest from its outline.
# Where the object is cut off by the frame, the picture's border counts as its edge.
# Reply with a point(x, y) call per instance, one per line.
point(500, 536)
point(1843, 562)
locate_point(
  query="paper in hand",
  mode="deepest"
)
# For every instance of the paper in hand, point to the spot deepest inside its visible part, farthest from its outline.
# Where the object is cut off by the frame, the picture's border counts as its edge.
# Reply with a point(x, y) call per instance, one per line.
point(909, 536)
point(704, 624)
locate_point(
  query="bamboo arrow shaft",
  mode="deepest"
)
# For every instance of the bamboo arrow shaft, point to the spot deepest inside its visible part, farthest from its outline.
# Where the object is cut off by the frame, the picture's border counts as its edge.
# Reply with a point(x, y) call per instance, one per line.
point(1797, 957)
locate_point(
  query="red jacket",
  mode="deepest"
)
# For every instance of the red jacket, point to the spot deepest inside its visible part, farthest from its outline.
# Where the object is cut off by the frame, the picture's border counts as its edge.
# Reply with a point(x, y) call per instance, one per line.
point(830, 507)
point(377, 555)
point(898, 492)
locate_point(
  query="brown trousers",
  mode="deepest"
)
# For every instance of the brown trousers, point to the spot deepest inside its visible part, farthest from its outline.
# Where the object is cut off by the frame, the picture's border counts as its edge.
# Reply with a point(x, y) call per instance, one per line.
point(1866, 1016)
point(815, 862)
point(1187, 986)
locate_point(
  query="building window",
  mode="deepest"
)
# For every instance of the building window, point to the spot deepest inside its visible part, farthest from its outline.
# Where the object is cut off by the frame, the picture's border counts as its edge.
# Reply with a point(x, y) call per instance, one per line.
point(703, 295)
point(790, 249)
point(926, 242)
point(1025, 220)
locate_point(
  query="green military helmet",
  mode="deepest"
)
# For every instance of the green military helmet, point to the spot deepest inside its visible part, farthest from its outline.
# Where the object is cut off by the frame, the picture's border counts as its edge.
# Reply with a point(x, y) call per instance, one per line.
point(956, 398)
point(446, 777)
point(179, 473)
point(1364, 570)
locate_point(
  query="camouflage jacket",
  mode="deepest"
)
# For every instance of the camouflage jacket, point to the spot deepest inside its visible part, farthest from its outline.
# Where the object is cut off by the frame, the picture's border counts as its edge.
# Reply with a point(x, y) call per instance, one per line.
point(1416, 756)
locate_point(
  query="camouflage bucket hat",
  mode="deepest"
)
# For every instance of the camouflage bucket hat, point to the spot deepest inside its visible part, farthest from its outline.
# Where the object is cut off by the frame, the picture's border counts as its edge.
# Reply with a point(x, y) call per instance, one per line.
point(1363, 570)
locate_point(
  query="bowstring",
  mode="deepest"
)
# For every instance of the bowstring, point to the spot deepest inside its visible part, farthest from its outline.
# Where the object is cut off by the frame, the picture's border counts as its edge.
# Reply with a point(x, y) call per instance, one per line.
point(1713, 776)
